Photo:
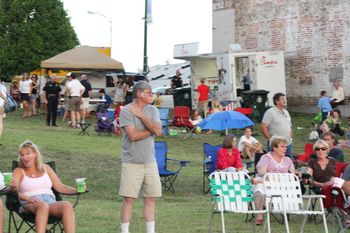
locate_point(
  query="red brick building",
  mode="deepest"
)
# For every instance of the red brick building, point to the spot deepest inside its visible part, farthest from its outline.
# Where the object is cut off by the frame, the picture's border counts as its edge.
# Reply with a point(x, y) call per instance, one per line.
point(314, 34)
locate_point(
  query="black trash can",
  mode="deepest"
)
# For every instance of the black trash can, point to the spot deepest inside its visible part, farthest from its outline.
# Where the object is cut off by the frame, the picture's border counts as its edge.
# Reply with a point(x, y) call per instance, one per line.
point(256, 99)
point(182, 97)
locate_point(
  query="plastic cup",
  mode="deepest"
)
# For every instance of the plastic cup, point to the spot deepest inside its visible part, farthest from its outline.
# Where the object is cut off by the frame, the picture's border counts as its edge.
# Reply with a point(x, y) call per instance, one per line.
point(7, 178)
point(338, 182)
point(81, 185)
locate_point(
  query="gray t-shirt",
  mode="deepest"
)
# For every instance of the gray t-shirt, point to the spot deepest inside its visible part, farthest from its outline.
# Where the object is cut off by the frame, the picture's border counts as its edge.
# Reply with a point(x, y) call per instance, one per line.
point(141, 151)
point(279, 122)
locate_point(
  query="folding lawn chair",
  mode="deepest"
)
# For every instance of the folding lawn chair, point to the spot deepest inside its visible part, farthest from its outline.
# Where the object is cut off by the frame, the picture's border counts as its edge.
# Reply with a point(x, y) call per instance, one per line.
point(308, 151)
point(283, 196)
point(338, 206)
point(210, 153)
point(336, 202)
point(181, 119)
point(164, 119)
point(232, 192)
point(167, 177)
point(26, 220)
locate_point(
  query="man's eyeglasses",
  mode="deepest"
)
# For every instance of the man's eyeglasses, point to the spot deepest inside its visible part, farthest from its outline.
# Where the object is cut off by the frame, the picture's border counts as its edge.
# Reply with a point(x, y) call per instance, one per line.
point(320, 148)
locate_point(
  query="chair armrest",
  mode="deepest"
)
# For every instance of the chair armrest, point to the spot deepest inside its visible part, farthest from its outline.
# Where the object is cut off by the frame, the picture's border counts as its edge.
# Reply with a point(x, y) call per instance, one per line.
point(313, 196)
point(76, 202)
point(207, 161)
point(181, 162)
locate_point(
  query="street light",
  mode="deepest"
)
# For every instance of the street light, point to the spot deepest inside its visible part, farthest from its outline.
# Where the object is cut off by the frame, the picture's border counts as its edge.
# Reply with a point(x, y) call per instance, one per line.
point(110, 26)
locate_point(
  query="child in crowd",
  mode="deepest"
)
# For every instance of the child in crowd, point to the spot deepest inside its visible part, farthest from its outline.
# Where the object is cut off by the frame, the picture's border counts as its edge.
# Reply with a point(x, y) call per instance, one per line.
point(195, 120)
point(158, 101)
point(248, 145)
point(229, 159)
point(324, 104)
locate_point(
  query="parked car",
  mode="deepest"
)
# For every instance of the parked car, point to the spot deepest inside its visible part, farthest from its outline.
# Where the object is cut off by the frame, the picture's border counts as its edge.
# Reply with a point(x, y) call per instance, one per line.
point(167, 97)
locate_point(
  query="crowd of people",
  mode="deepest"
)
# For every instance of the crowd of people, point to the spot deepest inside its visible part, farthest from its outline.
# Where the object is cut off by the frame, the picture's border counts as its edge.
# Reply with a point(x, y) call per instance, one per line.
point(139, 124)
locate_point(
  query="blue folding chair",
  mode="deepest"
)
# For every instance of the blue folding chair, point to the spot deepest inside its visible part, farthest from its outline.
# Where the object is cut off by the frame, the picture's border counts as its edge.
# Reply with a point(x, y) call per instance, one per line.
point(209, 162)
point(167, 177)
point(164, 114)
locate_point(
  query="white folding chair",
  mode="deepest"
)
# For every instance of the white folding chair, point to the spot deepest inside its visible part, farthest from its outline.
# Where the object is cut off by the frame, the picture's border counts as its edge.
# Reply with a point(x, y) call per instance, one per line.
point(283, 196)
point(231, 192)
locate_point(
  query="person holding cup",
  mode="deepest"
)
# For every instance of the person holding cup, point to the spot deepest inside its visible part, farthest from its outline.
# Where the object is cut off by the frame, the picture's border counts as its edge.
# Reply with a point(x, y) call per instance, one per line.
point(322, 168)
point(35, 183)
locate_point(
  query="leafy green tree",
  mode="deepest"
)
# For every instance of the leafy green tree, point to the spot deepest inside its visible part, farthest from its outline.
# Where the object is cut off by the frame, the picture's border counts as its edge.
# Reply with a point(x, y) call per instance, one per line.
point(32, 31)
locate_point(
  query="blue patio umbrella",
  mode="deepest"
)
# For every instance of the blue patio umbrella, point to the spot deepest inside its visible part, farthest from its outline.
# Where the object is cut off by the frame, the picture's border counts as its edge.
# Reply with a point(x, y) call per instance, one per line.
point(226, 120)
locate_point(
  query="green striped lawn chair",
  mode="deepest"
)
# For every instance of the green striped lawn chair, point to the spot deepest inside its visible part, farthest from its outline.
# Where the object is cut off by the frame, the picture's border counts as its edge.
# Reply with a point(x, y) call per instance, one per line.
point(231, 192)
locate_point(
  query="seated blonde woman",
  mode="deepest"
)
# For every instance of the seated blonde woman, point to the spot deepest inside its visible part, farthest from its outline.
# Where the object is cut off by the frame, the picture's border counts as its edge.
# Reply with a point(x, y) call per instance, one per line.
point(248, 145)
point(272, 162)
point(35, 183)
point(322, 168)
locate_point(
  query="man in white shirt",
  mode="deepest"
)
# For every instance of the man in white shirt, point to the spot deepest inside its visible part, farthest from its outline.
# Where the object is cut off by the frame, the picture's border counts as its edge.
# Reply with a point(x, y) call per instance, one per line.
point(75, 92)
point(338, 95)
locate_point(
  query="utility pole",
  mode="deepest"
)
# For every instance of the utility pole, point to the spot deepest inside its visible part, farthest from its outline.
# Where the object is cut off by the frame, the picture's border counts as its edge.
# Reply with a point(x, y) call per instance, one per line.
point(145, 58)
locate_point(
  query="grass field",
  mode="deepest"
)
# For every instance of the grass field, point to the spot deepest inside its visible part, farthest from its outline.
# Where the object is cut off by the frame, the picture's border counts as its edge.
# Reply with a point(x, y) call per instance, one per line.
point(98, 159)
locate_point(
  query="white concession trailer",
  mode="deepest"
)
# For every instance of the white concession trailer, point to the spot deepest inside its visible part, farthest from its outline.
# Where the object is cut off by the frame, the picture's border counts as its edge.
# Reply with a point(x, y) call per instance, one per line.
point(224, 72)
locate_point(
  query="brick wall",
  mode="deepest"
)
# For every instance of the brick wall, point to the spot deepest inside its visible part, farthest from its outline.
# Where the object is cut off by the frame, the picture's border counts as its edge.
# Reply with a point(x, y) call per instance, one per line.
point(315, 35)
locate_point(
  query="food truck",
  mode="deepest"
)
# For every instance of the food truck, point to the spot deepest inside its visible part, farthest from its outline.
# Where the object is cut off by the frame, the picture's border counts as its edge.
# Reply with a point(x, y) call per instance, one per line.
point(223, 72)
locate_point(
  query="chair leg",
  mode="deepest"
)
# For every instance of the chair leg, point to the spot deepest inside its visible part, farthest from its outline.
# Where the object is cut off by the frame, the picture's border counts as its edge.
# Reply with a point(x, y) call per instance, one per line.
point(286, 221)
point(223, 221)
point(211, 220)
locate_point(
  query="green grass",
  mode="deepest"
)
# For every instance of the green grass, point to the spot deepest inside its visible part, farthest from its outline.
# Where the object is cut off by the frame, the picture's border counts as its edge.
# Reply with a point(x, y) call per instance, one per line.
point(98, 159)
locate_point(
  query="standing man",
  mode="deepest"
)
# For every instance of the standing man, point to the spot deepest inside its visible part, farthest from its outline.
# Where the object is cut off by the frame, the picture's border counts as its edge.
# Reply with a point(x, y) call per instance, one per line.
point(203, 98)
point(277, 122)
point(338, 95)
point(86, 96)
point(246, 81)
point(51, 92)
point(140, 123)
point(75, 93)
point(176, 81)
point(3, 92)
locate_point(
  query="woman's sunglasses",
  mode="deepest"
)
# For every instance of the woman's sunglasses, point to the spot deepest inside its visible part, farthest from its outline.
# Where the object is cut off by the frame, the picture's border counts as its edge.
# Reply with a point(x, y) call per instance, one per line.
point(322, 148)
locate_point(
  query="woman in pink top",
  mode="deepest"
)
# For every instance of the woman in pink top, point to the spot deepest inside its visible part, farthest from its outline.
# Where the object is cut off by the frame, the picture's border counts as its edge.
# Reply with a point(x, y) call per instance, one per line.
point(229, 159)
point(35, 181)
point(274, 161)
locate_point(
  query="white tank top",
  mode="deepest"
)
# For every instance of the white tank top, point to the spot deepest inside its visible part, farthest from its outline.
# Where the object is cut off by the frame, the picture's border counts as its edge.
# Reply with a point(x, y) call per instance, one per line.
point(35, 186)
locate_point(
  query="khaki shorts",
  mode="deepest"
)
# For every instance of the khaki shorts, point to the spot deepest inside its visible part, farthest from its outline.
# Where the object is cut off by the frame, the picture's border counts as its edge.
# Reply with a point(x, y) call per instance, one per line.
point(85, 103)
point(140, 180)
point(74, 104)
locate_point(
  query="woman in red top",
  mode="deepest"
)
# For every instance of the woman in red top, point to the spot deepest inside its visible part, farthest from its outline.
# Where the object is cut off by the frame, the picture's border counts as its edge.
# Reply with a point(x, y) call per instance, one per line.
point(229, 159)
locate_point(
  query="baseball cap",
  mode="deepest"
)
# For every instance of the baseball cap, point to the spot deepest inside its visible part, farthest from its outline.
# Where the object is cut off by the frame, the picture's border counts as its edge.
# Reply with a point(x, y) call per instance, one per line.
point(69, 74)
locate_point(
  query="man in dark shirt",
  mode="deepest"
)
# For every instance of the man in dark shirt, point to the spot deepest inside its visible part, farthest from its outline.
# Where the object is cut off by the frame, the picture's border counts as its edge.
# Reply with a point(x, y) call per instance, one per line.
point(176, 81)
point(52, 96)
point(85, 97)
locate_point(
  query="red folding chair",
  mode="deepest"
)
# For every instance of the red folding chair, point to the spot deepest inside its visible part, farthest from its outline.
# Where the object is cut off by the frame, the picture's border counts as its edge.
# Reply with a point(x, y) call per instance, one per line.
point(336, 202)
point(181, 119)
point(308, 151)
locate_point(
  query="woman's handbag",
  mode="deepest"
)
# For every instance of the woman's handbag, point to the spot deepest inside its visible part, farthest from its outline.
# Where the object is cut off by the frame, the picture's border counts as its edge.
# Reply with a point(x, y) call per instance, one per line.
point(10, 104)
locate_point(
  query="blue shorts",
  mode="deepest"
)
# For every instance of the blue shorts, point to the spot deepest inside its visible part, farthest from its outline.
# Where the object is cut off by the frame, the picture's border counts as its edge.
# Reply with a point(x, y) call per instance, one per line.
point(49, 199)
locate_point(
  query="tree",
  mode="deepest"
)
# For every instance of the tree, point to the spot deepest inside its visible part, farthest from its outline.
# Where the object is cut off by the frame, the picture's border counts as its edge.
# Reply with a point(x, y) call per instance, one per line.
point(32, 31)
